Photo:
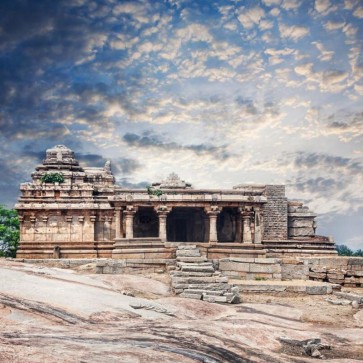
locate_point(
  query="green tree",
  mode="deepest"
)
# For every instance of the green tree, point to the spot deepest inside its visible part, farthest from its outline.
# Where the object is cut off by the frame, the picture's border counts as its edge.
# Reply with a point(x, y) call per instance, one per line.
point(343, 250)
point(9, 232)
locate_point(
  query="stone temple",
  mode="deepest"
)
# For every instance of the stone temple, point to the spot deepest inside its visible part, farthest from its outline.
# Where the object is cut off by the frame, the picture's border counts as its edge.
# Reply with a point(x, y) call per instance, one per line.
point(87, 215)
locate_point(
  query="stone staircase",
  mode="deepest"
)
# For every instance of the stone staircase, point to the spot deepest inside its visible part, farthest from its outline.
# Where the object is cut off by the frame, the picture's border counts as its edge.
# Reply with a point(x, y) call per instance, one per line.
point(195, 277)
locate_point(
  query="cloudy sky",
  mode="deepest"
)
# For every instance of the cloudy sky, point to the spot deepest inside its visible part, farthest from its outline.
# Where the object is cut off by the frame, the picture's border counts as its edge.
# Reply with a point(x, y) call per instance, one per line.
point(221, 92)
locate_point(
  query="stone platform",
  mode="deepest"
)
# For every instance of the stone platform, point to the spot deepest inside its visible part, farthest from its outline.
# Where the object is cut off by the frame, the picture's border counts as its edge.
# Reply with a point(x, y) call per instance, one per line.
point(300, 247)
point(294, 286)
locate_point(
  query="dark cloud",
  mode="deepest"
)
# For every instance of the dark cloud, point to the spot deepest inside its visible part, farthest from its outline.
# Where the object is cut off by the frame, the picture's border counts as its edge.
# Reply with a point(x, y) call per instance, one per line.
point(323, 186)
point(148, 139)
point(11, 175)
point(119, 166)
point(327, 162)
point(125, 182)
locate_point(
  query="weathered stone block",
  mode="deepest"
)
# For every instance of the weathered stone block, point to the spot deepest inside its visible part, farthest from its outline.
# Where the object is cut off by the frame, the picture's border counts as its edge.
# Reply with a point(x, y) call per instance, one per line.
point(316, 290)
point(269, 269)
point(234, 266)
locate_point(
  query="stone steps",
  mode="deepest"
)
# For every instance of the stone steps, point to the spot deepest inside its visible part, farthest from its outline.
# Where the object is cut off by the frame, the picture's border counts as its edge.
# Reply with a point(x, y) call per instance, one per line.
point(195, 277)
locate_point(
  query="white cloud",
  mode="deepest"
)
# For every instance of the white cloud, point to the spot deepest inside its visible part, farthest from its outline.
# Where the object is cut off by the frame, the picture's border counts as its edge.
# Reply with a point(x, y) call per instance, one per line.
point(271, 2)
point(331, 25)
point(349, 30)
point(350, 4)
point(358, 12)
point(250, 17)
point(321, 6)
point(359, 88)
point(275, 12)
point(325, 55)
point(266, 24)
point(291, 4)
point(293, 32)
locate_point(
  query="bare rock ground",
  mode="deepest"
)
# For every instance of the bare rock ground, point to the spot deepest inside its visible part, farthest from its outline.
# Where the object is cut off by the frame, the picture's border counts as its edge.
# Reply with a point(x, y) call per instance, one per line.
point(53, 315)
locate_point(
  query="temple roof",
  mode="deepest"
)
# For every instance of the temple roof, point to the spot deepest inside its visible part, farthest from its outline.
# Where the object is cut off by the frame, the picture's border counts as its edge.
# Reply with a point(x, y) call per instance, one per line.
point(173, 181)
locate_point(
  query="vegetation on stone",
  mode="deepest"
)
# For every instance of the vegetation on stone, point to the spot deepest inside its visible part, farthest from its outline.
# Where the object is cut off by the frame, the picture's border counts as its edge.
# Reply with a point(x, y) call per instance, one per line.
point(52, 178)
point(152, 191)
point(9, 232)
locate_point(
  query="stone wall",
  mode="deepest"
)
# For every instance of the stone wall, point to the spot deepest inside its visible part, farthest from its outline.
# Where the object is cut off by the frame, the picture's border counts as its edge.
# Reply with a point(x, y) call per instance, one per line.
point(346, 271)
point(275, 213)
point(294, 269)
point(251, 268)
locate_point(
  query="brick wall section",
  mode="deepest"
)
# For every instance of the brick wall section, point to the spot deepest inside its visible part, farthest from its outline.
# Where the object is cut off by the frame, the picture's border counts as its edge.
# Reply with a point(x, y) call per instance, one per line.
point(275, 213)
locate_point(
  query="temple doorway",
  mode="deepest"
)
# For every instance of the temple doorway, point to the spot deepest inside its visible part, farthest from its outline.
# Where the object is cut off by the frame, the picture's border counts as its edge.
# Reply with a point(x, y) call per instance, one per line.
point(186, 224)
point(226, 225)
point(146, 223)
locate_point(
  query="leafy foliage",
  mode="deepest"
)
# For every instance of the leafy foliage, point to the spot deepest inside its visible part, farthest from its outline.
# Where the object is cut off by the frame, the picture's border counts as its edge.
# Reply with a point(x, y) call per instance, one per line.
point(343, 250)
point(152, 191)
point(9, 232)
point(52, 178)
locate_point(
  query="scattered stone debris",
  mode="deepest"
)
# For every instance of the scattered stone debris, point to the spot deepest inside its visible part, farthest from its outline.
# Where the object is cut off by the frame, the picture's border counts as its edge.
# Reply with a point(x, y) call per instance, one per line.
point(196, 278)
point(338, 301)
point(346, 298)
point(311, 347)
point(127, 293)
point(151, 307)
point(349, 296)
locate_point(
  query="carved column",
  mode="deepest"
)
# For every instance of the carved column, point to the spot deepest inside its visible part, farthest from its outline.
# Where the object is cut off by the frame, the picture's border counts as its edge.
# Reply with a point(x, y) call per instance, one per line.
point(246, 218)
point(206, 228)
point(81, 221)
point(238, 238)
point(91, 232)
point(129, 219)
point(213, 214)
point(69, 220)
point(258, 230)
point(21, 227)
point(33, 221)
point(45, 222)
point(109, 220)
point(162, 225)
point(118, 217)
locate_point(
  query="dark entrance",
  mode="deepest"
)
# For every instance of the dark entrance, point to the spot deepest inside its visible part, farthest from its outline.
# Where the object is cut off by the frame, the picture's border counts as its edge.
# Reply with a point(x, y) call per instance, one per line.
point(181, 229)
point(226, 225)
point(146, 223)
point(186, 224)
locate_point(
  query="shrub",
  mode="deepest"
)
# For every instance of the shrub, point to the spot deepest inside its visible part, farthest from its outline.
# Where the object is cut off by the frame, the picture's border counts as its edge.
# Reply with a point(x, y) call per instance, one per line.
point(52, 178)
point(9, 232)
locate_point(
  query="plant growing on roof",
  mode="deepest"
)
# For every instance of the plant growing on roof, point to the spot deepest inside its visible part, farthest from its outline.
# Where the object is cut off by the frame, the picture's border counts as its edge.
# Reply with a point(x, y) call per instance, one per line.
point(156, 192)
point(52, 178)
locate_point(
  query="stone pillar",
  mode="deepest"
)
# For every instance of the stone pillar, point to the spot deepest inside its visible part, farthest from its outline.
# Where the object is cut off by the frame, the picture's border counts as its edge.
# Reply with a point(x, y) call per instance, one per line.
point(109, 230)
point(21, 227)
point(206, 228)
point(69, 220)
point(91, 229)
point(162, 225)
point(213, 237)
point(118, 217)
point(45, 228)
point(129, 219)
point(258, 231)
point(246, 217)
point(238, 238)
point(81, 221)
point(33, 221)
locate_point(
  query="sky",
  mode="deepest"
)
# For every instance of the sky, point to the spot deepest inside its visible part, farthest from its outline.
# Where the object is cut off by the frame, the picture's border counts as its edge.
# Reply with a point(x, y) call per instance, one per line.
point(220, 92)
